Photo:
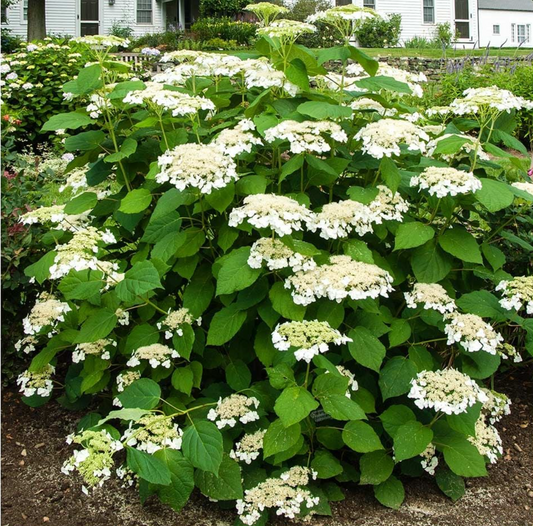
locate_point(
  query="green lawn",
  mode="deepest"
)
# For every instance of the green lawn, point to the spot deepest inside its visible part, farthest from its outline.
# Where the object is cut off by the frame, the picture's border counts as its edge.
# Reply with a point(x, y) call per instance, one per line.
point(450, 53)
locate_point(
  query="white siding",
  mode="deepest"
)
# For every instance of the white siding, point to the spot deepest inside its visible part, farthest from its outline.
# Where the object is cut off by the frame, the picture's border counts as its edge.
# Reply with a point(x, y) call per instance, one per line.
point(489, 17)
point(62, 17)
point(413, 16)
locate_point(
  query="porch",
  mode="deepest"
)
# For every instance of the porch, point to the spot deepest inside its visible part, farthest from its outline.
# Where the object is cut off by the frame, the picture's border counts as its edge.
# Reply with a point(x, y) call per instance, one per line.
point(181, 14)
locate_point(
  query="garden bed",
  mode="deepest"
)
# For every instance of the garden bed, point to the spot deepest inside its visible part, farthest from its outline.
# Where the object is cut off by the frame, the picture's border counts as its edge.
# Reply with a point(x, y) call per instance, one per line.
point(35, 491)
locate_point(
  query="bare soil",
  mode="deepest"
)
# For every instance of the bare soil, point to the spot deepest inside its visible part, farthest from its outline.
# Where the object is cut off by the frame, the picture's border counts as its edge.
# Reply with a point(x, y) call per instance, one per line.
point(35, 492)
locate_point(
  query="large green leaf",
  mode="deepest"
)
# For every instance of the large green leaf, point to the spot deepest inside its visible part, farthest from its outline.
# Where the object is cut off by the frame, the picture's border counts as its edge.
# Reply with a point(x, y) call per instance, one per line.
point(148, 467)
point(376, 467)
point(452, 485)
point(361, 437)
point(411, 235)
point(67, 121)
point(323, 110)
point(235, 273)
point(494, 195)
point(394, 417)
point(395, 378)
point(81, 285)
point(136, 201)
point(294, 404)
point(177, 493)
point(326, 465)
point(390, 493)
point(279, 438)
point(225, 324)
point(411, 439)
point(143, 394)
point(366, 349)
point(140, 279)
point(97, 326)
point(283, 304)
point(430, 264)
point(226, 486)
point(202, 445)
point(461, 244)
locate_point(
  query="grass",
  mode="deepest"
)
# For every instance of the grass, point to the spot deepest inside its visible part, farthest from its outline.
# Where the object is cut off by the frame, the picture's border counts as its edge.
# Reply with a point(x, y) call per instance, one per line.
point(450, 53)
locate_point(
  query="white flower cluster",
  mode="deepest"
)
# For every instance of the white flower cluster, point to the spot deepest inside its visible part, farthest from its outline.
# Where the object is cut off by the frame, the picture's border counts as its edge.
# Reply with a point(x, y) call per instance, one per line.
point(430, 460)
point(48, 311)
point(306, 136)
point(26, 345)
point(517, 293)
point(156, 354)
point(471, 332)
point(174, 321)
point(388, 206)
point(181, 104)
point(308, 338)
point(366, 104)
point(506, 351)
point(97, 104)
point(266, 77)
point(353, 385)
point(282, 214)
point(337, 220)
point(97, 348)
point(56, 215)
point(443, 181)
point(285, 494)
point(123, 316)
point(153, 432)
point(340, 279)
point(276, 255)
point(286, 30)
point(493, 97)
point(447, 390)
point(95, 461)
point(37, 382)
point(238, 139)
point(150, 51)
point(77, 181)
point(471, 144)
point(496, 407)
point(384, 137)
point(413, 80)
point(233, 408)
point(487, 440)
point(102, 41)
point(432, 295)
point(202, 166)
point(249, 447)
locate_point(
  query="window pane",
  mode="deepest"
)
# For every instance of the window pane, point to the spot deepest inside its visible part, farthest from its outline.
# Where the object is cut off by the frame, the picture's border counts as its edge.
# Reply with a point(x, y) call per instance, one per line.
point(463, 28)
point(461, 10)
point(429, 11)
point(144, 11)
point(339, 2)
point(89, 9)
point(369, 3)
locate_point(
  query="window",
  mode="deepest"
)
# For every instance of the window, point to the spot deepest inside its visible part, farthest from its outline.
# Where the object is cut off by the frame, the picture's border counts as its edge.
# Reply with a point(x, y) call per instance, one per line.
point(522, 33)
point(25, 10)
point(144, 11)
point(429, 11)
point(495, 30)
point(369, 3)
point(342, 2)
point(4, 15)
point(513, 31)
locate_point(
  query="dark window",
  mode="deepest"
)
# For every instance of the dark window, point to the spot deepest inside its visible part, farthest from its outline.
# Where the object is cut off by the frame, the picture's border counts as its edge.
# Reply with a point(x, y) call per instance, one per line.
point(371, 4)
point(342, 2)
point(89, 10)
point(429, 11)
point(496, 30)
point(463, 29)
point(461, 10)
point(144, 11)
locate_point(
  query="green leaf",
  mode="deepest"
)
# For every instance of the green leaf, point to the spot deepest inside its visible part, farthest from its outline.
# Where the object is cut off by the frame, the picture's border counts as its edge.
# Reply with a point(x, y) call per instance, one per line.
point(81, 285)
point(85, 141)
point(482, 303)
point(411, 439)
point(494, 195)
point(324, 110)
point(199, 293)
point(279, 438)
point(130, 413)
point(340, 407)
point(41, 269)
point(390, 174)
point(148, 467)
point(238, 376)
point(369, 64)
point(400, 332)
point(142, 394)
point(97, 326)
point(394, 417)
point(283, 304)
point(127, 148)
point(225, 324)
point(461, 244)
point(296, 72)
point(294, 404)
point(430, 264)
point(81, 203)
point(390, 493)
point(326, 465)
point(465, 423)
point(182, 380)
point(366, 349)
point(177, 493)
point(395, 378)
point(67, 121)
point(136, 201)
point(160, 226)
point(381, 82)
point(452, 485)
point(226, 486)
point(376, 467)
point(493, 255)
point(140, 279)
point(235, 273)
point(202, 445)
point(451, 145)
point(165, 248)
point(358, 250)
point(463, 458)
point(221, 198)
point(361, 437)
point(291, 166)
point(411, 235)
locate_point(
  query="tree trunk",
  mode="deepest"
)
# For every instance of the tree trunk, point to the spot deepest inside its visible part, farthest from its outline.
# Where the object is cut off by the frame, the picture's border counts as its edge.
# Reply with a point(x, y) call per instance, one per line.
point(36, 20)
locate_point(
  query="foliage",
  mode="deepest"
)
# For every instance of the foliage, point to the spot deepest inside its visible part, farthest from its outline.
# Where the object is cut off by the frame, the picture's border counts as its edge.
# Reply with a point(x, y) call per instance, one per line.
point(29, 180)
point(443, 39)
point(33, 88)
point(121, 28)
point(302, 9)
point(380, 32)
point(225, 29)
point(445, 34)
point(10, 42)
point(318, 364)
point(167, 40)
point(221, 8)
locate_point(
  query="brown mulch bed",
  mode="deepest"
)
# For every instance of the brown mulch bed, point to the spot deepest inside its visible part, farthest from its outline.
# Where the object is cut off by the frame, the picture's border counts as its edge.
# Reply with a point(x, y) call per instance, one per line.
point(35, 492)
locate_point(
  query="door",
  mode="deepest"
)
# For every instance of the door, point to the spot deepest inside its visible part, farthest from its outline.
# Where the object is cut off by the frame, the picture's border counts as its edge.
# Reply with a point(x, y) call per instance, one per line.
point(462, 19)
point(89, 17)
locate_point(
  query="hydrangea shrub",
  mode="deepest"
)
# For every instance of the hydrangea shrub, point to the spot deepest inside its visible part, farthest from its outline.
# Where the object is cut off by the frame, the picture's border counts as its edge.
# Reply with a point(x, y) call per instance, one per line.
point(273, 290)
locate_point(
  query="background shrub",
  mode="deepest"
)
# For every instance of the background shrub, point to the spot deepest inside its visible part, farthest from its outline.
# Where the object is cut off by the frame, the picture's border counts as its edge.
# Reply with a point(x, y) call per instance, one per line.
point(221, 8)
point(380, 32)
point(224, 28)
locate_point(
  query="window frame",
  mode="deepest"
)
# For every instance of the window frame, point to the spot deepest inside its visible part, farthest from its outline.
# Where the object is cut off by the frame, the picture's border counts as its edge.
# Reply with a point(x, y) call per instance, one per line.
point(373, 2)
point(496, 30)
point(432, 7)
point(151, 11)
point(24, 11)
point(520, 27)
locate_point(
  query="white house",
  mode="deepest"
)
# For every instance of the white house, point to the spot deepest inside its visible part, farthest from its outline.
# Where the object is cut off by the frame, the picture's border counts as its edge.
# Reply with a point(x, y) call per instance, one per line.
point(89, 17)
point(420, 17)
point(506, 23)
